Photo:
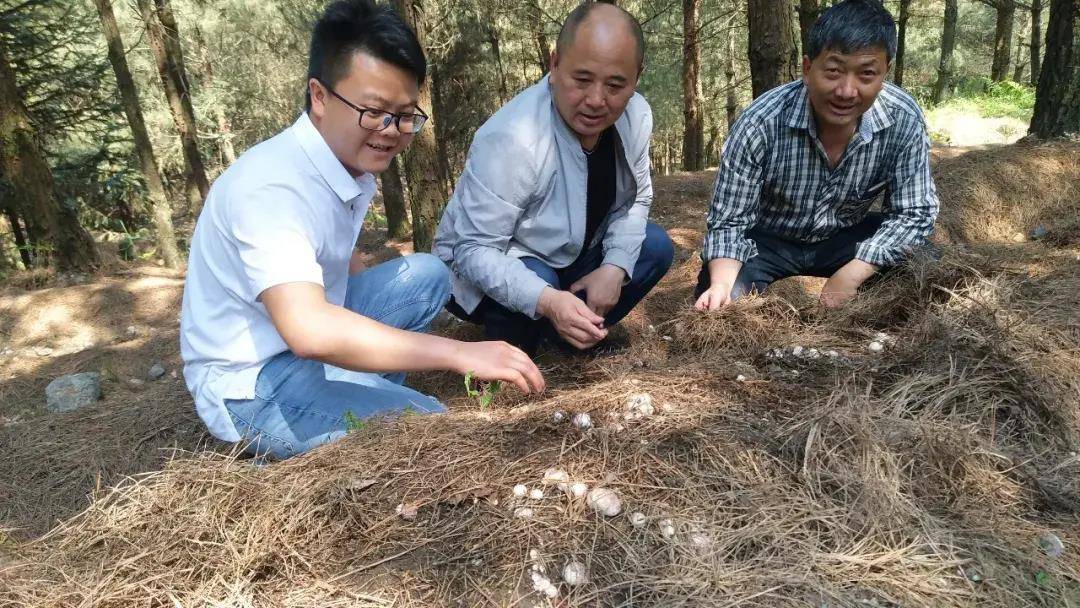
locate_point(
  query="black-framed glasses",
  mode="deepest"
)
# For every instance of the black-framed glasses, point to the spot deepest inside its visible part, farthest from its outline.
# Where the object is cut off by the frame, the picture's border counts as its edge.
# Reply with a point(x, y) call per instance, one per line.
point(376, 119)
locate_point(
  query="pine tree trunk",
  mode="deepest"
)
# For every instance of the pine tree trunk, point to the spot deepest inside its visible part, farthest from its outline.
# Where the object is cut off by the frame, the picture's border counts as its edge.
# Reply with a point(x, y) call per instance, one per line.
point(1057, 98)
point(948, 45)
point(496, 52)
point(159, 203)
point(165, 46)
point(732, 105)
point(53, 228)
point(393, 195)
point(1003, 34)
point(772, 54)
point(20, 239)
point(1036, 41)
point(1020, 63)
point(808, 14)
point(901, 41)
point(543, 49)
point(423, 169)
point(693, 122)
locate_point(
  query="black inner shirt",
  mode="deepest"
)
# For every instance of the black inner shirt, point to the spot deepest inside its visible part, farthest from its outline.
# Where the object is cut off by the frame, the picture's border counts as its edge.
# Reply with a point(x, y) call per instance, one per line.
point(601, 189)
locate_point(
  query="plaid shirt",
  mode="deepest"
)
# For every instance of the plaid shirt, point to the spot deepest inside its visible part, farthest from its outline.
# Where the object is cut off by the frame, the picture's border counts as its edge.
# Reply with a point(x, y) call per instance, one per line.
point(774, 173)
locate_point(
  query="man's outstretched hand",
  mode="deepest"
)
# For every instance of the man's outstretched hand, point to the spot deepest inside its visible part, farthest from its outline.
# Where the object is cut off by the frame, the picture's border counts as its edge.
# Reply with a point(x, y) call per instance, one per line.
point(499, 361)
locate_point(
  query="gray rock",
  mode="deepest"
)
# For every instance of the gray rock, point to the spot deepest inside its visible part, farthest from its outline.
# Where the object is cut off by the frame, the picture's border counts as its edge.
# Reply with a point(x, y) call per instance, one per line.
point(1038, 232)
point(73, 391)
point(157, 370)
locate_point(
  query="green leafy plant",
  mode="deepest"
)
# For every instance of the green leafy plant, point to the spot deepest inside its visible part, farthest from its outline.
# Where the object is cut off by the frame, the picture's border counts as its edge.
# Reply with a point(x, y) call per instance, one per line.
point(483, 392)
point(352, 423)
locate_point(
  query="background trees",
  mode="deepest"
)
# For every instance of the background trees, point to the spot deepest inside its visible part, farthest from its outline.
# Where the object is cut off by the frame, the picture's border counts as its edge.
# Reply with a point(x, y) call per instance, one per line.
point(211, 78)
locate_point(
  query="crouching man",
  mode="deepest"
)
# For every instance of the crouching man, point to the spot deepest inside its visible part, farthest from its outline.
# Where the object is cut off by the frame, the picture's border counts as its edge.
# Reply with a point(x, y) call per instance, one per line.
point(283, 333)
point(806, 160)
point(547, 234)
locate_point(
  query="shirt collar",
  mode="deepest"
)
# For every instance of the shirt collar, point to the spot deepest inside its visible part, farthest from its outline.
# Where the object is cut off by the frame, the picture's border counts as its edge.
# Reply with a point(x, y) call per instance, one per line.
point(327, 164)
point(873, 120)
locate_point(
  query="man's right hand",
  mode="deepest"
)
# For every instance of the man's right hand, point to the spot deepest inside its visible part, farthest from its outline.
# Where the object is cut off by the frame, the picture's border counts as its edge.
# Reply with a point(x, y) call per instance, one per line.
point(571, 317)
point(499, 361)
point(715, 297)
point(722, 275)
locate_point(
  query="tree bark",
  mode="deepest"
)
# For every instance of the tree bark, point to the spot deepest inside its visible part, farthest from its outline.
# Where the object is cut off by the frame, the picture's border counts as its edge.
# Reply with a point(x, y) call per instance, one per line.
point(393, 195)
point(423, 169)
point(159, 203)
point(901, 41)
point(20, 238)
point(543, 48)
point(165, 46)
point(732, 105)
point(808, 14)
point(693, 122)
point(1036, 41)
point(773, 59)
point(1020, 62)
point(948, 45)
point(1057, 98)
point(53, 228)
point(492, 32)
point(1003, 34)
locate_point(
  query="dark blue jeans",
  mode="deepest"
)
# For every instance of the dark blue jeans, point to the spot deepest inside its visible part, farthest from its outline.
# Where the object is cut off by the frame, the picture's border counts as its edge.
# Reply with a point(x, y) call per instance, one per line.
point(779, 257)
point(501, 323)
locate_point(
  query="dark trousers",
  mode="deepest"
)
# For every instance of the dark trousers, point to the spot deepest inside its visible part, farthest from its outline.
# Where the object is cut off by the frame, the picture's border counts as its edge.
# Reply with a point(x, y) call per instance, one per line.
point(501, 323)
point(779, 257)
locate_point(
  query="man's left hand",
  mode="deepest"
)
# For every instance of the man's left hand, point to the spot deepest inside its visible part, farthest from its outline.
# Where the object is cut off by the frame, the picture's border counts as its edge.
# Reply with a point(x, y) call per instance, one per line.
point(844, 283)
point(602, 288)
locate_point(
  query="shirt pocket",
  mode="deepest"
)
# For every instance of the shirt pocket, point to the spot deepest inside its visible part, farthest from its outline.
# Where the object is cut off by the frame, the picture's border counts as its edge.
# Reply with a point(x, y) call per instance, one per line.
point(859, 200)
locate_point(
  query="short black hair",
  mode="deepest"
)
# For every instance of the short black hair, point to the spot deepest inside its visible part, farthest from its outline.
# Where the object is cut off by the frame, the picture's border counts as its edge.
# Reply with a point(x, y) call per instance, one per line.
point(582, 12)
point(350, 26)
point(853, 25)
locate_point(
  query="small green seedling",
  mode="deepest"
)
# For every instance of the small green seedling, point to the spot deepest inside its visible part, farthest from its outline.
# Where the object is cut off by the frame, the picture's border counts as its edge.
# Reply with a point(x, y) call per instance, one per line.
point(483, 392)
point(1042, 578)
point(352, 423)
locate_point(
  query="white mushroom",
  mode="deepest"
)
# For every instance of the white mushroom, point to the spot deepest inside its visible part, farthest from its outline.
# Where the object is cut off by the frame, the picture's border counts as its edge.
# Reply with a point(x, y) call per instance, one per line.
point(558, 416)
point(797, 350)
point(536, 494)
point(520, 490)
point(641, 403)
point(701, 541)
point(604, 501)
point(667, 528)
point(574, 574)
point(638, 519)
point(740, 378)
point(579, 489)
point(876, 347)
point(523, 513)
point(583, 421)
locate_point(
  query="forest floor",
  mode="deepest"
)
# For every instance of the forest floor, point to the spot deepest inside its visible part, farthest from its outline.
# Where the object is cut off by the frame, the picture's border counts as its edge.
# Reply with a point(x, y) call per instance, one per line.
point(940, 472)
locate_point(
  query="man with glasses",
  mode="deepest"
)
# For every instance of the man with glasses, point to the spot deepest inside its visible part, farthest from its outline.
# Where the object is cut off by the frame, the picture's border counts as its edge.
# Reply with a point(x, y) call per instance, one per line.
point(286, 338)
point(547, 233)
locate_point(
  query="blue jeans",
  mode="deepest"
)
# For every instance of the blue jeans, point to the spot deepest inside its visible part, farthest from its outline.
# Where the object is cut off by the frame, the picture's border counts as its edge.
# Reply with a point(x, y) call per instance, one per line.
point(501, 323)
point(300, 403)
point(779, 257)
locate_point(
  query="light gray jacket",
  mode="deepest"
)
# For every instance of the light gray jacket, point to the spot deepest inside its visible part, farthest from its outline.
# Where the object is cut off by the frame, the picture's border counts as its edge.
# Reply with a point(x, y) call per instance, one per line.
point(522, 194)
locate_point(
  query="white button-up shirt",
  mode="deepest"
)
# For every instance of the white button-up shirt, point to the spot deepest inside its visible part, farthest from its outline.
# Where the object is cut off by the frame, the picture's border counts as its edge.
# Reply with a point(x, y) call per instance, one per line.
point(286, 211)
